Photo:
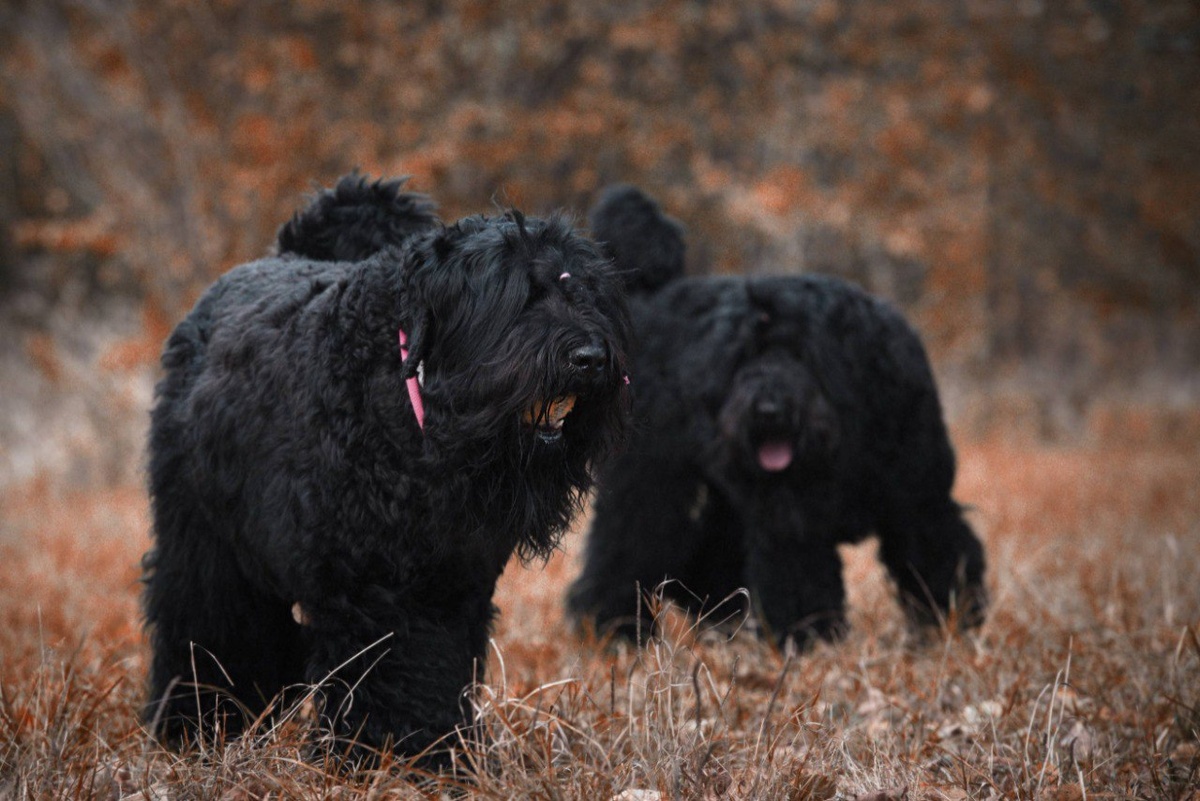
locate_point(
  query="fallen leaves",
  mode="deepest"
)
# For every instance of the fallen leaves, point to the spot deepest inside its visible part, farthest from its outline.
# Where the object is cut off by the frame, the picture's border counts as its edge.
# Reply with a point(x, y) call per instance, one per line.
point(893, 794)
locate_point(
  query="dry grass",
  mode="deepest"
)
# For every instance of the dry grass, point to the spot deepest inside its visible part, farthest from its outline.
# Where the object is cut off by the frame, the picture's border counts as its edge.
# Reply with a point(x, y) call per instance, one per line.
point(1085, 682)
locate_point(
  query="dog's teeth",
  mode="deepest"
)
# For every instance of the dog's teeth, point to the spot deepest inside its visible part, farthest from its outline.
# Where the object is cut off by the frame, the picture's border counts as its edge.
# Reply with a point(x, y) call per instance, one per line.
point(553, 415)
point(561, 408)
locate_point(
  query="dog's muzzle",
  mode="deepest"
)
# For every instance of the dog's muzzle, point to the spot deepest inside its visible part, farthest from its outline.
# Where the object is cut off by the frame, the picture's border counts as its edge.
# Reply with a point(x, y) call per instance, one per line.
point(548, 418)
point(588, 369)
point(774, 445)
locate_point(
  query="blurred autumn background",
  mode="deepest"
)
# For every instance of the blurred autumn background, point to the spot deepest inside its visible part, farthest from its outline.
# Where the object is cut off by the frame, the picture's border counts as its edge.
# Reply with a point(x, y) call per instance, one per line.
point(1022, 177)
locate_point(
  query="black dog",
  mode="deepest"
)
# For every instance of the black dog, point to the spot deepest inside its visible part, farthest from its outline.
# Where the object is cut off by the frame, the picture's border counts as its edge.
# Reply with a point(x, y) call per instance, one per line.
point(344, 454)
point(777, 417)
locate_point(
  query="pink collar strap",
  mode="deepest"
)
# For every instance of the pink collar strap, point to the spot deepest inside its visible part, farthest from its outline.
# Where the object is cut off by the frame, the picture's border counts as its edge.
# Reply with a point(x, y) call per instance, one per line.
point(414, 383)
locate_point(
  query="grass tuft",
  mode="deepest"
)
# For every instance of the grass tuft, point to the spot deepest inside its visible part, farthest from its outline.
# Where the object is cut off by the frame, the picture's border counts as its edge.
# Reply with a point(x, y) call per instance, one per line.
point(1083, 683)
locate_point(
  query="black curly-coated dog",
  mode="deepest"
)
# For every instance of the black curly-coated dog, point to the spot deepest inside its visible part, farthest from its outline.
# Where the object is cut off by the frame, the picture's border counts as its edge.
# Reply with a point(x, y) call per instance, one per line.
point(776, 417)
point(349, 442)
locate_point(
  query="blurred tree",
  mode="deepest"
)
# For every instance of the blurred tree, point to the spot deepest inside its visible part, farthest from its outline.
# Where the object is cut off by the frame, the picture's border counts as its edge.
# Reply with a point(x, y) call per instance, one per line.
point(1022, 178)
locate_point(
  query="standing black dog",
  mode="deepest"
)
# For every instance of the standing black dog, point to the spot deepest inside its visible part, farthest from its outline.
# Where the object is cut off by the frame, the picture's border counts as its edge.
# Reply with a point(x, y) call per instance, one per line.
point(777, 417)
point(349, 442)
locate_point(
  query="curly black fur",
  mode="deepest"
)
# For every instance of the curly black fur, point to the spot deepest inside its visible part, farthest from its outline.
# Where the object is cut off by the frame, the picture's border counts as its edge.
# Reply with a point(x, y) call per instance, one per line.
point(288, 474)
point(355, 219)
point(646, 244)
point(777, 417)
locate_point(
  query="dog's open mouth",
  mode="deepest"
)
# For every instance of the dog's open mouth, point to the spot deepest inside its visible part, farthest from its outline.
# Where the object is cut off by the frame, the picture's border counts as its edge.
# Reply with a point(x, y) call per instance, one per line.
point(774, 455)
point(547, 417)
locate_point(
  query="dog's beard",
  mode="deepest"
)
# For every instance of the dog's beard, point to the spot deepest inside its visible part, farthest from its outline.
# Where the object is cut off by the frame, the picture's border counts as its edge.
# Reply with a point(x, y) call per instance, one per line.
point(527, 414)
point(776, 421)
point(559, 408)
point(560, 435)
point(763, 446)
point(805, 442)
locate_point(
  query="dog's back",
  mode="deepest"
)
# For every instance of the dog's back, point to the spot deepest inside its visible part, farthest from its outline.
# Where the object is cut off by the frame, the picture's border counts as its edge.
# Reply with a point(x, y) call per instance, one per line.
point(349, 222)
point(355, 219)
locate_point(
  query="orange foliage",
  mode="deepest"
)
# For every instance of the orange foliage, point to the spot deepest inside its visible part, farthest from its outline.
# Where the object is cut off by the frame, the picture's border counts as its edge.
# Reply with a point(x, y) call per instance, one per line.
point(142, 349)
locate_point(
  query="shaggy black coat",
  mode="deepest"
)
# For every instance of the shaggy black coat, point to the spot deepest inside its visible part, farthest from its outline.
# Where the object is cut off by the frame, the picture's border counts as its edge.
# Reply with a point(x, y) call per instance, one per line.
point(306, 529)
point(776, 417)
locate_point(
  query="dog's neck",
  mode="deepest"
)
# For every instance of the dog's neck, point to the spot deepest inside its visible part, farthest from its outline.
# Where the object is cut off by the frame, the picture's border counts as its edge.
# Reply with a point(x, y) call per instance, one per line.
point(414, 383)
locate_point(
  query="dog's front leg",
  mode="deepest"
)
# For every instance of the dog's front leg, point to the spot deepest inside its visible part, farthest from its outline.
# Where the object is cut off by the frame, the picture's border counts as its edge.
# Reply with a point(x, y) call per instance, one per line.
point(793, 570)
point(645, 533)
point(393, 676)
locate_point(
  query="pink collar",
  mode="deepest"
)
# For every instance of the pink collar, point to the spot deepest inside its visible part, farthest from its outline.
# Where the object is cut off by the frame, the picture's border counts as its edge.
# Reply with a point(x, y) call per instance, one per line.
point(414, 383)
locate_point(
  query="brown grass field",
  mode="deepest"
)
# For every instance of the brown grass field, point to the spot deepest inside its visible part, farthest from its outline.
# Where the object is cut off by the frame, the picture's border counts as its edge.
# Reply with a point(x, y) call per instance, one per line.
point(1083, 683)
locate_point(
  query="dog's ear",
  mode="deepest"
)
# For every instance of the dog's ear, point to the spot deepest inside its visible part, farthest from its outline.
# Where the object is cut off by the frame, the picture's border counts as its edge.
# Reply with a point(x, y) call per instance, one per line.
point(433, 291)
point(645, 244)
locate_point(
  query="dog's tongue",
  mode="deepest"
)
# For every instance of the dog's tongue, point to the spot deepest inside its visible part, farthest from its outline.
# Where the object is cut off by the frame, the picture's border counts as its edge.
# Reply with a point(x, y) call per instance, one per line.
point(774, 456)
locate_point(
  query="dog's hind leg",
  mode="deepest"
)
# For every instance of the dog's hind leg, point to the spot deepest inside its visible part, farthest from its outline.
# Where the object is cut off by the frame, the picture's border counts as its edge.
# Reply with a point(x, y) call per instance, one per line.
point(936, 561)
point(221, 648)
point(643, 533)
point(928, 548)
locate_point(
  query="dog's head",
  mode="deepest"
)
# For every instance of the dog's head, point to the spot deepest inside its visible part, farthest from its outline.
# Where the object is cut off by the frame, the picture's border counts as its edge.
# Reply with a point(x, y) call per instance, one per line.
point(521, 328)
point(777, 417)
point(645, 244)
point(777, 421)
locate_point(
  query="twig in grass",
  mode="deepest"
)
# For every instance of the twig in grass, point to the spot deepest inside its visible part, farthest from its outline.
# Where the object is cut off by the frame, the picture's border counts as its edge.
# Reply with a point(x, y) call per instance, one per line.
point(502, 707)
point(158, 711)
point(348, 702)
point(500, 661)
point(762, 728)
point(196, 688)
point(703, 620)
point(612, 690)
point(774, 698)
point(638, 619)
point(1060, 679)
point(312, 690)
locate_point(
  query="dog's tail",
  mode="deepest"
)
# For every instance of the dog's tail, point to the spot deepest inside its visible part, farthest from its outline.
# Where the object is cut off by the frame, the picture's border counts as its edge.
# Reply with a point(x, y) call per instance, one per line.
point(355, 219)
point(646, 245)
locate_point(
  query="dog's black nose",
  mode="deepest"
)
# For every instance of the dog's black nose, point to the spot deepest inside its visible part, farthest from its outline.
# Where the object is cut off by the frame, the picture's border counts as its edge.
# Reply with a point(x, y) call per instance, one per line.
point(588, 358)
point(768, 410)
